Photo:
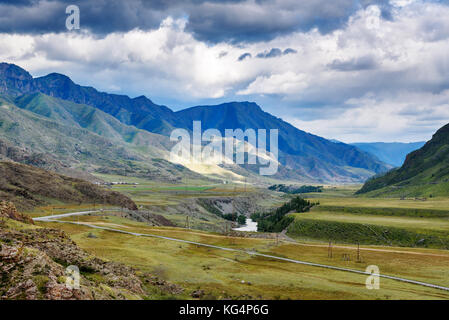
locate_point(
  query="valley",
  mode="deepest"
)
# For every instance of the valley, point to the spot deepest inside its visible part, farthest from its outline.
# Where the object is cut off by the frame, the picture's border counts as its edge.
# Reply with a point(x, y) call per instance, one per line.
point(94, 170)
point(213, 272)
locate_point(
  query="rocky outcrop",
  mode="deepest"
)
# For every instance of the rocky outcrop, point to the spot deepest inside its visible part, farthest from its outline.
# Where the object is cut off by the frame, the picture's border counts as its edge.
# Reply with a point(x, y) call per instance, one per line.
point(31, 275)
point(33, 265)
point(8, 210)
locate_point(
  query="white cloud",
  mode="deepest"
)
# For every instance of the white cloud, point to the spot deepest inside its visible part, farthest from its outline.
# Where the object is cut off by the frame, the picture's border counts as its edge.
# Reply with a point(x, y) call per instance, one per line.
point(285, 83)
point(403, 117)
point(316, 87)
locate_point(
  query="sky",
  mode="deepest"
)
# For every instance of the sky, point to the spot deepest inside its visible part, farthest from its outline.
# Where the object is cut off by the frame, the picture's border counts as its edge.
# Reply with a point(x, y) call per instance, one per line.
point(350, 70)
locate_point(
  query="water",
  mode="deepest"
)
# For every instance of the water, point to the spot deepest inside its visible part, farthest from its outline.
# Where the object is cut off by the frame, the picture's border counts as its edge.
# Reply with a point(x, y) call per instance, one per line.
point(249, 226)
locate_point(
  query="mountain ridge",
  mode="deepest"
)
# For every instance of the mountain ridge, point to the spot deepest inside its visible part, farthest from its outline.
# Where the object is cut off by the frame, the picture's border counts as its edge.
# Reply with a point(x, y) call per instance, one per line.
point(313, 157)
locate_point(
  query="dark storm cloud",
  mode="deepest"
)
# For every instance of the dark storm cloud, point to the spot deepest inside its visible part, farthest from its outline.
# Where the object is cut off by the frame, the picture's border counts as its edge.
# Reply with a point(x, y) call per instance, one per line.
point(267, 19)
point(212, 21)
point(101, 17)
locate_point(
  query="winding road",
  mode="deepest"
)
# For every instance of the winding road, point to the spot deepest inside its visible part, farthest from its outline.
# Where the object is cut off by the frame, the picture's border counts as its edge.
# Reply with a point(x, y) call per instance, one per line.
point(54, 218)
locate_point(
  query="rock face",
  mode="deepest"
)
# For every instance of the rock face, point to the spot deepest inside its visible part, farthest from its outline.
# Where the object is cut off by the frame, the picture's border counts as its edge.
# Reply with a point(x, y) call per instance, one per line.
point(33, 263)
point(8, 210)
point(39, 278)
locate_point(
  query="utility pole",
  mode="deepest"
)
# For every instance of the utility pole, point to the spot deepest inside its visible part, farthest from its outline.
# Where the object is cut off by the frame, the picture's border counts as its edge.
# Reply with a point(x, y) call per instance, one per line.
point(358, 252)
point(329, 250)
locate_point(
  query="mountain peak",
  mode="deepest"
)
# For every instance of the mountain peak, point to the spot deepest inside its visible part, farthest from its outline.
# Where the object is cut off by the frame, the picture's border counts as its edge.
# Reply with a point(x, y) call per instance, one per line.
point(443, 131)
point(56, 78)
point(12, 71)
point(242, 104)
point(142, 99)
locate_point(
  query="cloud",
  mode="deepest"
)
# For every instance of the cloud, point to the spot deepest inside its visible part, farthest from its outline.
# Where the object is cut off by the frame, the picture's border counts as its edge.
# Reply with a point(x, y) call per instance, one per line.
point(385, 118)
point(252, 21)
point(392, 70)
point(244, 56)
point(207, 20)
point(284, 83)
point(354, 64)
point(289, 50)
point(275, 52)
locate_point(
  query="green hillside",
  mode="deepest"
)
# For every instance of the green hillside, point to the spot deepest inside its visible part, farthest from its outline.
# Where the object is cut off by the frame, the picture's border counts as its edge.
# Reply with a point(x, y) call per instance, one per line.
point(84, 138)
point(425, 172)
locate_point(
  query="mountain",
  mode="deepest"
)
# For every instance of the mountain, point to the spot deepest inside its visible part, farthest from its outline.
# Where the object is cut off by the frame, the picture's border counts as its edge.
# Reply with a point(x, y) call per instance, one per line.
point(303, 156)
point(60, 135)
point(28, 187)
point(315, 158)
point(393, 153)
point(425, 172)
point(9, 152)
point(140, 112)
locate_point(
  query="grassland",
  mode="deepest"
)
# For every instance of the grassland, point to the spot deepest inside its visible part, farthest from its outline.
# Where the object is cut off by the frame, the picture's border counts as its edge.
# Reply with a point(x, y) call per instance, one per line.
point(233, 275)
point(237, 275)
point(344, 218)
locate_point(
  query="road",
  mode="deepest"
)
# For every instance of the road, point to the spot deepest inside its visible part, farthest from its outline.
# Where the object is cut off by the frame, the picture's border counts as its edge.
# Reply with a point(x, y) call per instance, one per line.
point(63, 215)
point(252, 253)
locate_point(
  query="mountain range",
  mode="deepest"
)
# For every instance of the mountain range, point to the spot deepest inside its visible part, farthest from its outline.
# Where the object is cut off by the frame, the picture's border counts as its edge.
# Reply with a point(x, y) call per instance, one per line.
point(101, 132)
point(393, 153)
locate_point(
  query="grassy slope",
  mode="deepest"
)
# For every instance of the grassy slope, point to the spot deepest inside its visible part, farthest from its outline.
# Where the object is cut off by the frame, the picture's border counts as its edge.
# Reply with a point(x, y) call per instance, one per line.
point(425, 172)
point(386, 221)
point(220, 274)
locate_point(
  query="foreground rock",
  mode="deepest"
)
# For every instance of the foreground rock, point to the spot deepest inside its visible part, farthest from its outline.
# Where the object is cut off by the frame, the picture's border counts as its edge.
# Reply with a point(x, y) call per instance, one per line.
point(33, 262)
point(8, 210)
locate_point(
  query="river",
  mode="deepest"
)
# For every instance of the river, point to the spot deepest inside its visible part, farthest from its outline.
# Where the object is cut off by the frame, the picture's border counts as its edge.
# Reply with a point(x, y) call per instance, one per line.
point(249, 226)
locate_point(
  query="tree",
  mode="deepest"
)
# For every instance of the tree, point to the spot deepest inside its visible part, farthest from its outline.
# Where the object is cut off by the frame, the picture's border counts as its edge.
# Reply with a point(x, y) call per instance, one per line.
point(241, 219)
